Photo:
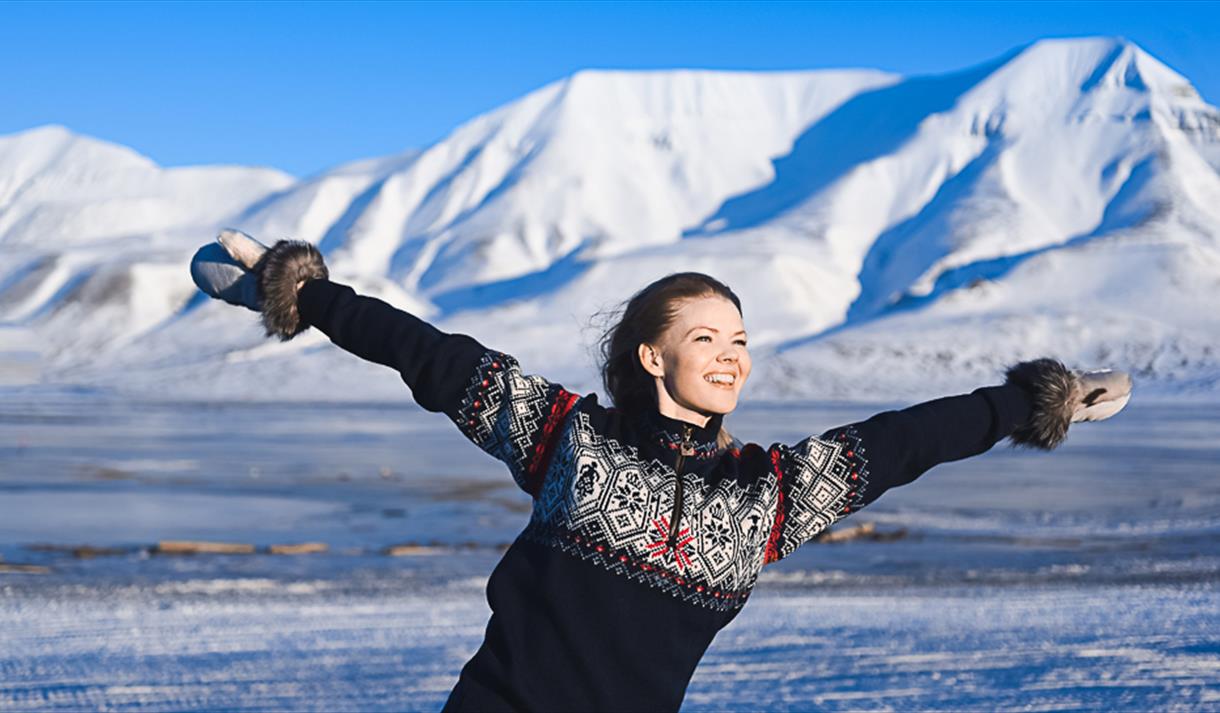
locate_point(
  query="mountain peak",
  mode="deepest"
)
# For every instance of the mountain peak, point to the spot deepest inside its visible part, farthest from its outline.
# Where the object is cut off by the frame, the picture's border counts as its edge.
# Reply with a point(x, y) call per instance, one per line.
point(1106, 62)
point(47, 131)
point(54, 144)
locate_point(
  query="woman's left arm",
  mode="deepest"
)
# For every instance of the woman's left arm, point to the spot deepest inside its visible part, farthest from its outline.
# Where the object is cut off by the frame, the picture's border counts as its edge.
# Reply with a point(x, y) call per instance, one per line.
point(826, 478)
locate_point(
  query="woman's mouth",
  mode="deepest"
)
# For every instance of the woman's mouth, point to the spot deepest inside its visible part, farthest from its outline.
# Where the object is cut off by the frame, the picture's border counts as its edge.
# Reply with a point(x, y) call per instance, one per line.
point(721, 379)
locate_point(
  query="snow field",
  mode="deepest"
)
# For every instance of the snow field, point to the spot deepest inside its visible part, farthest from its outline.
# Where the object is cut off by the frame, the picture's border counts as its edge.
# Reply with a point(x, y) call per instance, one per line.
point(267, 645)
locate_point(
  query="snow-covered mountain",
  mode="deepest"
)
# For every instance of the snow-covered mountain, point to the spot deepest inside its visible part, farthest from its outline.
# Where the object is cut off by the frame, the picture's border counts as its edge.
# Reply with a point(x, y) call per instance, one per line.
point(890, 237)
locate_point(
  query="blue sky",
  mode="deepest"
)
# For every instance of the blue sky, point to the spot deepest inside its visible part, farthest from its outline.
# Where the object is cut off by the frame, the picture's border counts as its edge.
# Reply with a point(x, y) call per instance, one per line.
point(304, 86)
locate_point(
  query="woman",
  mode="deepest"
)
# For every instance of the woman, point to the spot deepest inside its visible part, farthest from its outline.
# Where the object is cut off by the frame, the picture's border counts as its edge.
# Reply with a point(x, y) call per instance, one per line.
point(649, 524)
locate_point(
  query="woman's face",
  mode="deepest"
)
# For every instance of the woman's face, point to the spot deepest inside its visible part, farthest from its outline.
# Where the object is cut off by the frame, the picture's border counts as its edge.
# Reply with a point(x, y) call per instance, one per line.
point(701, 361)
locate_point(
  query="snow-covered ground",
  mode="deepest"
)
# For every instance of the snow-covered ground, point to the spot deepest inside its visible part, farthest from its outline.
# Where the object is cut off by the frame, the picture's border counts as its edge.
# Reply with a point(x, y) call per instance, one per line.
point(1086, 578)
point(257, 644)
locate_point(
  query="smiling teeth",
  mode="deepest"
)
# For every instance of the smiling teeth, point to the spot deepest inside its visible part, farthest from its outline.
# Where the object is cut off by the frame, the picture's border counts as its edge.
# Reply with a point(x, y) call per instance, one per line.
point(721, 378)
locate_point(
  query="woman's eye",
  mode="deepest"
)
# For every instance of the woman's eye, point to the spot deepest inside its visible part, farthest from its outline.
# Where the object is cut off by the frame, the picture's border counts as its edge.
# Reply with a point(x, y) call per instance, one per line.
point(742, 342)
point(703, 336)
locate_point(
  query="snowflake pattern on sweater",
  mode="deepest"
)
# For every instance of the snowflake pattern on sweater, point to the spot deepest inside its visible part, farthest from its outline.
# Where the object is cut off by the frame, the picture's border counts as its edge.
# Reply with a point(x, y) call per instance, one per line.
point(598, 498)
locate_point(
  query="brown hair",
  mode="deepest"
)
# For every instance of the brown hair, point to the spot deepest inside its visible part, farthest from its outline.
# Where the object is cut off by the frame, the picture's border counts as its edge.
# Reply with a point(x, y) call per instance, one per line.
point(646, 317)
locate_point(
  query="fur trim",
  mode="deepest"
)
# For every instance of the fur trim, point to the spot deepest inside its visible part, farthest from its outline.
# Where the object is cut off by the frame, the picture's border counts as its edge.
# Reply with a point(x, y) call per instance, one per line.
point(279, 270)
point(1056, 391)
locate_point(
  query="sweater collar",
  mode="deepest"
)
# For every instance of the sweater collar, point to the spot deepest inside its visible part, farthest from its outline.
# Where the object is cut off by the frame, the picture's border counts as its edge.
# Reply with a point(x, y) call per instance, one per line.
point(668, 433)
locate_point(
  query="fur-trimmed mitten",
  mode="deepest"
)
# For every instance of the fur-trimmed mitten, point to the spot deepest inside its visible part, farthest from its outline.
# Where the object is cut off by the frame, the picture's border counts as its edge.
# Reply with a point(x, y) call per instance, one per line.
point(1062, 397)
point(242, 271)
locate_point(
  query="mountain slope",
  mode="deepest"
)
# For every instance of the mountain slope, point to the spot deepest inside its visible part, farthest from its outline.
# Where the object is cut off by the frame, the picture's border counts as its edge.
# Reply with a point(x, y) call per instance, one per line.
point(94, 236)
point(889, 236)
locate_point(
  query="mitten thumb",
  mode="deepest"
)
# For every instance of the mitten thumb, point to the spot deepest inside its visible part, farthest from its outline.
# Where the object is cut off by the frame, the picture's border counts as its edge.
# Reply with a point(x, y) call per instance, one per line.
point(243, 248)
point(1104, 393)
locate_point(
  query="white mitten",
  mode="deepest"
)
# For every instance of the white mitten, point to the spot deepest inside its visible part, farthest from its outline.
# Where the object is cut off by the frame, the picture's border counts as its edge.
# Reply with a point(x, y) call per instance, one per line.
point(1105, 393)
point(242, 271)
point(223, 269)
point(1062, 397)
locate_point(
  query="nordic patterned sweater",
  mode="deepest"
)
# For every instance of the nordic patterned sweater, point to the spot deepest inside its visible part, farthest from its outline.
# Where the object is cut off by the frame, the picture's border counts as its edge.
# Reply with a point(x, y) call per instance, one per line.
point(645, 538)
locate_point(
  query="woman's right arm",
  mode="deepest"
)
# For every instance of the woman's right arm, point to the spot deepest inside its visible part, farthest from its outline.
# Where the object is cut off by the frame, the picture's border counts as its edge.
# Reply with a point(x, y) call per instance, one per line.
point(435, 365)
point(512, 416)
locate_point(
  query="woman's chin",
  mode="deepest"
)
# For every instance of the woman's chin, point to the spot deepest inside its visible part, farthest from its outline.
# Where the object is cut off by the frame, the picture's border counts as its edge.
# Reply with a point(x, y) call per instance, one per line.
point(719, 403)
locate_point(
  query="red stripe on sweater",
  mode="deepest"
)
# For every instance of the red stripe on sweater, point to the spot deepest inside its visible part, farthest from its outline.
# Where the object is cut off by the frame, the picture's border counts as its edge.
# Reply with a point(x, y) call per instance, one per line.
point(541, 460)
point(773, 541)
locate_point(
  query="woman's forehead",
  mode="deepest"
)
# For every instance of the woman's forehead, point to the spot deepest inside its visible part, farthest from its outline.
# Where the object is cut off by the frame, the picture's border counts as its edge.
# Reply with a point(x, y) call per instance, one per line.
point(711, 311)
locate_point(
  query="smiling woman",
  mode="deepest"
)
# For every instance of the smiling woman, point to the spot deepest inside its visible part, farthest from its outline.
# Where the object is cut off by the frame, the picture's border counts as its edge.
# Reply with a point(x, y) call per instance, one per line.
point(680, 347)
point(649, 527)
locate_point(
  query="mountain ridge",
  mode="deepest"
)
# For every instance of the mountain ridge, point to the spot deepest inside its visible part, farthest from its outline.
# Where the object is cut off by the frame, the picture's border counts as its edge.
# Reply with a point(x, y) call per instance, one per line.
point(868, 215)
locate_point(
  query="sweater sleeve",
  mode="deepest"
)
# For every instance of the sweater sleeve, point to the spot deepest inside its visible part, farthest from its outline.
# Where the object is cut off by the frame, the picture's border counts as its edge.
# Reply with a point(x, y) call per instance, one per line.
point(825, 478)
point(512, 416)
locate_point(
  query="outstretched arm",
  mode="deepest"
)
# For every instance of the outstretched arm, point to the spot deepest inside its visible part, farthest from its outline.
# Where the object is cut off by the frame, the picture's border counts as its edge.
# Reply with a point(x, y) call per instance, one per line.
point(512, 416)
point(823, 479)
point(896, 447)
point(436, 366)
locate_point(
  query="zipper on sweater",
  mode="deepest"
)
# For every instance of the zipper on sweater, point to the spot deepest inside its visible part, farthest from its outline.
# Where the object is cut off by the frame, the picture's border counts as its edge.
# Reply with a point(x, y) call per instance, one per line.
point(687, 449)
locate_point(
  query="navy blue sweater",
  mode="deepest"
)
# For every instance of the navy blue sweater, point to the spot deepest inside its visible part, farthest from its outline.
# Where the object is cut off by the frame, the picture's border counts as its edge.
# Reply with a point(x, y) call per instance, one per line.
point(646, 538)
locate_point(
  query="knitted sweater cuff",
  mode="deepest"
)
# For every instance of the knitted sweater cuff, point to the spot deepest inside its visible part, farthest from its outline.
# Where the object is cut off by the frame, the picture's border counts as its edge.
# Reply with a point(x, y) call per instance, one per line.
point(1011, 407)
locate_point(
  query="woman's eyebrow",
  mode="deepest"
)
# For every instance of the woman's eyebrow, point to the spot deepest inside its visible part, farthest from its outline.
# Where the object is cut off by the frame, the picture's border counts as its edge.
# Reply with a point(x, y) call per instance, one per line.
point(713, 329)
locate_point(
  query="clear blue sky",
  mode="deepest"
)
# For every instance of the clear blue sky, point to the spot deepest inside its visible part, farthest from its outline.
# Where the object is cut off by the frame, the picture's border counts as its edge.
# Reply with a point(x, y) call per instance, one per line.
point(304, 86)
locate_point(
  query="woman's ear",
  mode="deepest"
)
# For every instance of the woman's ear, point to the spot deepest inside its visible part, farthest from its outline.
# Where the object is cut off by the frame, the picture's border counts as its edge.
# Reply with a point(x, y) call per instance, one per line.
point(650, 358)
